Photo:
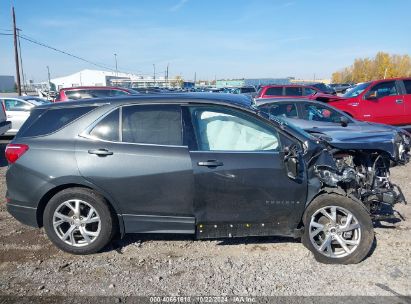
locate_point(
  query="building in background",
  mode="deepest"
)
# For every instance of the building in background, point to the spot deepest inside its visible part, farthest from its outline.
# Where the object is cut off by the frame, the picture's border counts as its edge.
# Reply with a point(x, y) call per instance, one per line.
point(255, 82)
point(308, 81)
point(7, 84)
point(105, 78)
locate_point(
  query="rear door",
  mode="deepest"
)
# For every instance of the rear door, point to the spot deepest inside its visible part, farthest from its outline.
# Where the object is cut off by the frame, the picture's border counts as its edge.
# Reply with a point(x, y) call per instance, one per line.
point(383, 103)
point(136, 155)
point(241, 185)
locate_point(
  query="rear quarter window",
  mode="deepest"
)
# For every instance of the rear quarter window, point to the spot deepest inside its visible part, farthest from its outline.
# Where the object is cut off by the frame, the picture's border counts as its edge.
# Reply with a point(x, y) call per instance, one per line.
point(46, 121)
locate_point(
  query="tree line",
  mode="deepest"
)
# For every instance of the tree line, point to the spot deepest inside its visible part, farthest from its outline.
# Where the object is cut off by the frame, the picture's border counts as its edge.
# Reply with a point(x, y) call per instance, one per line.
point(383, 65)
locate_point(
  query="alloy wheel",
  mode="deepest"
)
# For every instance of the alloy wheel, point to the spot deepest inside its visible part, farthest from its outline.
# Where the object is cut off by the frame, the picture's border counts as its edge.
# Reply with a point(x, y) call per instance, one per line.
point(334, 231)
point(76, 223)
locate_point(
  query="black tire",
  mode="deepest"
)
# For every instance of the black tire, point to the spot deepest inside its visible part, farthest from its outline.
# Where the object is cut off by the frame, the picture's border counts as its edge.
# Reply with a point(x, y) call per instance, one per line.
point(107, 222)
point(358, 211)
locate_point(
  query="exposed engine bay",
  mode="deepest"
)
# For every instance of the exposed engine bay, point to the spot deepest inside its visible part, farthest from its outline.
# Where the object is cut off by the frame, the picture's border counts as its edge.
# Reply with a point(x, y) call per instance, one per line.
point(364, 175)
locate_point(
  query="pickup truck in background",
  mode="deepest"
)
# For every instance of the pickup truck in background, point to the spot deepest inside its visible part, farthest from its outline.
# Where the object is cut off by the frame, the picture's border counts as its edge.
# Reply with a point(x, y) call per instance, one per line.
point(385, 101)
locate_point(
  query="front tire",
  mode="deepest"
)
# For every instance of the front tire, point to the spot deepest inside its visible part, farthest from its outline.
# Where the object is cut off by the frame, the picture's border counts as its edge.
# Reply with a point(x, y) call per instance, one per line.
point(78, 221)
point(337, 230)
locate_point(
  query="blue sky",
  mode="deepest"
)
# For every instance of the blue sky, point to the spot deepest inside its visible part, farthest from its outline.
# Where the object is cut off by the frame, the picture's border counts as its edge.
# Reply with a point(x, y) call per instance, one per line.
point(214, 38)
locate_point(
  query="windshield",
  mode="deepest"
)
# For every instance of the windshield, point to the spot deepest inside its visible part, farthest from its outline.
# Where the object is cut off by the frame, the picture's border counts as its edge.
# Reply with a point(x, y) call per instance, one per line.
point(357, 90)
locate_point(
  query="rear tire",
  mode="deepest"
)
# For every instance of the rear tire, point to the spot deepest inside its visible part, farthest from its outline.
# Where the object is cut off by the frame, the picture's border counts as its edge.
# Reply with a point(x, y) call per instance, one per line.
point(78, 221)
point(328, 235)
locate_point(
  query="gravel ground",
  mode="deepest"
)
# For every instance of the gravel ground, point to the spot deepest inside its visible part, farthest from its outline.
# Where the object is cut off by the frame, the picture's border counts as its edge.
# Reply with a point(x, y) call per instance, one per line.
point(163, 265)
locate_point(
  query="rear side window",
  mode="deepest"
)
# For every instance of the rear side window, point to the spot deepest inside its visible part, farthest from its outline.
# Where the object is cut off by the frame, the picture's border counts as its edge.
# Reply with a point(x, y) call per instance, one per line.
point(276, 91)
point(407, 84)
point(108, 127)
point(152, 124)
point(50, 120)
point(293, 91)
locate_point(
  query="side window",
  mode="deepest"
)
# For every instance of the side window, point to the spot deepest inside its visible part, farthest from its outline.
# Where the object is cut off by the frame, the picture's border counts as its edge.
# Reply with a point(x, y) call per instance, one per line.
point(309, 91)
point(152, 124)
point(219, 129)
point(275, 91)
point(118, 93)
point(407, 84)
point(293, 91)
point(284, 110)
point(384, 89)
point(16, 105)
point(108, 127)
point(316, 112)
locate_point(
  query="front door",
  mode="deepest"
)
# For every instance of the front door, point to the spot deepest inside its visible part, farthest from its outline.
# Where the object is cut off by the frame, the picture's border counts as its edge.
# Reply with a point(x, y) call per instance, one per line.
point(144, 168)
point(241, 185)
point(383, 103)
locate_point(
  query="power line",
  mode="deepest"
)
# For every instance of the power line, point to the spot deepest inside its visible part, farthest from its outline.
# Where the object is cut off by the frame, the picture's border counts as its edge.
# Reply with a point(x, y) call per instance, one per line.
point(25, 37)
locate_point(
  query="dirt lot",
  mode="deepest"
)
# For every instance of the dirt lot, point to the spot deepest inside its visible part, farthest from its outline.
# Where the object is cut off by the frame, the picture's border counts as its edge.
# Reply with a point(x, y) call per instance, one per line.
point(159, 265)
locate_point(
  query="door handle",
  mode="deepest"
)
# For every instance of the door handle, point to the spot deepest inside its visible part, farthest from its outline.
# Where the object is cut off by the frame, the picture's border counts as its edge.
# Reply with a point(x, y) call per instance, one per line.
point(100, 152)
point(210, 163)
point(398, 101)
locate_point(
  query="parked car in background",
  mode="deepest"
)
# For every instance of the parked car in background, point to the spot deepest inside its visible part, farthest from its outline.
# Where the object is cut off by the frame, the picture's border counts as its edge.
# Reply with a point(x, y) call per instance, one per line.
point(324, 88)
point(385, 101)
point(340, 87)
point(76, 93)
point(320, 118)
point(5, 125)
point(18, 110)
point(209, 165)
point(251, 91)
point(294, 91)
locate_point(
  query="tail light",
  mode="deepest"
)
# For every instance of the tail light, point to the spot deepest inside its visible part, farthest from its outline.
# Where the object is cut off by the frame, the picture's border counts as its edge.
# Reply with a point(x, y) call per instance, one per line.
point(15, 151)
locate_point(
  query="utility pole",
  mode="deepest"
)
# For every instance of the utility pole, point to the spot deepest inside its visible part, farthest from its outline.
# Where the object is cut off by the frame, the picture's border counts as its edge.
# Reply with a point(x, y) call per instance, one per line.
point(115, 59)
point(385, 73)
point(48, 76)
point(154, 73)
point(195, 78)
point(16, 53)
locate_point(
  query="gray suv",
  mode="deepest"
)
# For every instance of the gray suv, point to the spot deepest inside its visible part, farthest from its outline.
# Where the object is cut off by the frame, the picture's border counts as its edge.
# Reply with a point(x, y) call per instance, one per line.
point(203, 164)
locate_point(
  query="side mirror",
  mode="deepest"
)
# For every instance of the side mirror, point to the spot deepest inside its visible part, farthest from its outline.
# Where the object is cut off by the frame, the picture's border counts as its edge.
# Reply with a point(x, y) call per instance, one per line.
point(291, 162)
point(371, 95)
point(344, 121)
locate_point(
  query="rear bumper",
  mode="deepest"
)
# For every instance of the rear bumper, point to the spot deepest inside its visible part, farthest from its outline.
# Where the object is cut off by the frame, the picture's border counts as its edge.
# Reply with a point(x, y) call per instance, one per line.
point(4, 127)
point(25, 215)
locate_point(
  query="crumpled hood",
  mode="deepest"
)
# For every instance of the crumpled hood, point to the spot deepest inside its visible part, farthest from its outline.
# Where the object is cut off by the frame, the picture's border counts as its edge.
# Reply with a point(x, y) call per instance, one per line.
point(387, 141)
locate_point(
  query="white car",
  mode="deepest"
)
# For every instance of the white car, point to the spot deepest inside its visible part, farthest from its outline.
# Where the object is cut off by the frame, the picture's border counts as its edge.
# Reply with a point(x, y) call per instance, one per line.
point(18, 110)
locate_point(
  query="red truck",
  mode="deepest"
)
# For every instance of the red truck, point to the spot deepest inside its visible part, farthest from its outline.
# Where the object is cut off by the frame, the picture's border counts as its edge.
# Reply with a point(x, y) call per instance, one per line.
point(385, 101)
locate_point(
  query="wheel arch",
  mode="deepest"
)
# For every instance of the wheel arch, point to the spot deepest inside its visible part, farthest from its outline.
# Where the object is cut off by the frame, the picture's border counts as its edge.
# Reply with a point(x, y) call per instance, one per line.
point(330, 191)
point(49, 194)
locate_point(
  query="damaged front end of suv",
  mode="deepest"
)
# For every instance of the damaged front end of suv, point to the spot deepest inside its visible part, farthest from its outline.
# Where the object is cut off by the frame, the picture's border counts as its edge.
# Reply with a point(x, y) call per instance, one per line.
point(358, 166)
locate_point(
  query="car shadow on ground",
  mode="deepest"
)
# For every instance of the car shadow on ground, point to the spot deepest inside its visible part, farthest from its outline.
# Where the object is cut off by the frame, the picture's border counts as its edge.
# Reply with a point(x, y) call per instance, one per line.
point(139, 239)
